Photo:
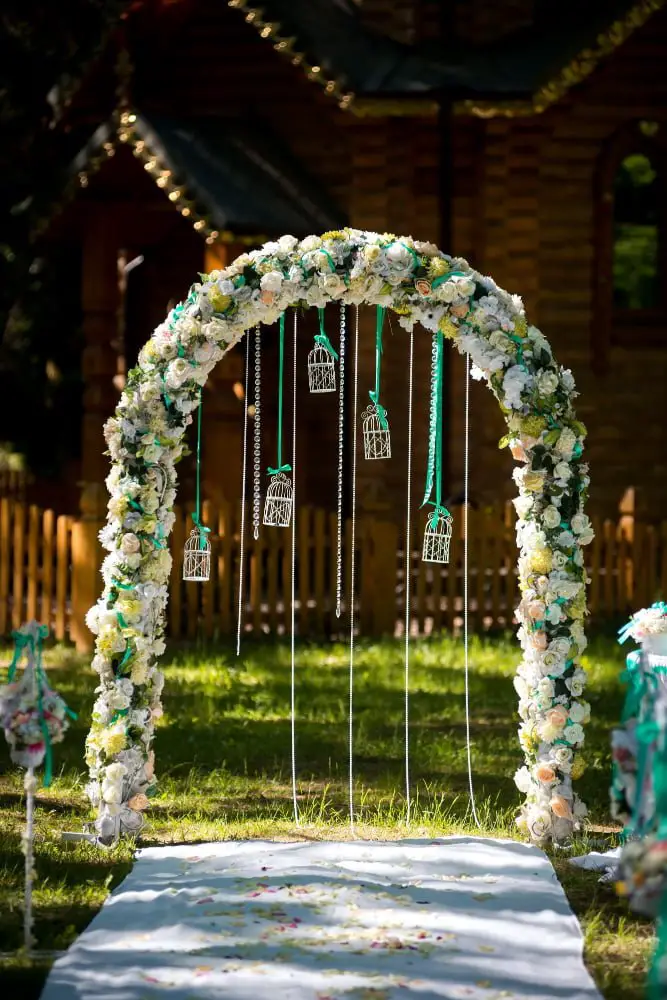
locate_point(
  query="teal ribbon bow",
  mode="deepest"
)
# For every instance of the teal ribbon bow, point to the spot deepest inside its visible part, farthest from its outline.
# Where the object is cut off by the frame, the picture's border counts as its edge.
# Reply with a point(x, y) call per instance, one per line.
point(439, 511)
point(322, 339)
point(375, 393)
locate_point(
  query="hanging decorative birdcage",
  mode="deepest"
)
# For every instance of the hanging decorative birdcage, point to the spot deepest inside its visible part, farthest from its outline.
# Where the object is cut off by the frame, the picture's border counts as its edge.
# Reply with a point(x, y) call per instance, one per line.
point(321, 370)
point(197, 556)
point(437, 537)
point(278, 502)
point(377, 442)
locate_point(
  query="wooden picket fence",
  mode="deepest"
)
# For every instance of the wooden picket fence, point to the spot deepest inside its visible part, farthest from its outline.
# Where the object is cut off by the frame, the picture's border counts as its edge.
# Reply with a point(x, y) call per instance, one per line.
point(49, 570)
point(35, 568)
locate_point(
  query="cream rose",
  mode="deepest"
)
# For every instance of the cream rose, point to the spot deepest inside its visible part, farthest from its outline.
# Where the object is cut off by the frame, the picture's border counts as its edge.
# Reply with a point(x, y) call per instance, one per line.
point(130, 543)
point(551, 516)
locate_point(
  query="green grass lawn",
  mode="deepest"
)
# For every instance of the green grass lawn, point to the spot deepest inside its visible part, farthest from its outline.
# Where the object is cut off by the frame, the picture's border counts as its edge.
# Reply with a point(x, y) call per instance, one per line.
point(223, 759)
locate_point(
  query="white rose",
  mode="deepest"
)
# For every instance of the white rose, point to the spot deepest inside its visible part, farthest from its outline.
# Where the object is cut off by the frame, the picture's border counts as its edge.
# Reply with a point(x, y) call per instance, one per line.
point(332, 284)
point(551, 516)
point(112, 793)
point(580, 524)
point(565, 539)
point(574, 733)
point(577, 712)
point(547, 382)
point(558, 560)
point(115, 772)
point(204, 353)
point(554, 614)
point(310, 243)
point(287, 243)
point(576, 686)
point(566, 443)
point(562, 471)
point(523, 780)
point(271, 282)
point(523, 505)
point(539, 823)
point(562, 758)
point(177, 372)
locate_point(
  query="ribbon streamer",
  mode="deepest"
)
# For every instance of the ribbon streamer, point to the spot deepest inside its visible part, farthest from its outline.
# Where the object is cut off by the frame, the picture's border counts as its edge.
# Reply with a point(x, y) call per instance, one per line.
point(375, 393)
point(196, 516)
point(434, 464)
point(280, 465)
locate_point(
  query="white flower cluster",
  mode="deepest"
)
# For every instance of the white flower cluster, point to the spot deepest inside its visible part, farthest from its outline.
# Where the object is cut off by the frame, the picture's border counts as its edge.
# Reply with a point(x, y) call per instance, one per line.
point(421, 285)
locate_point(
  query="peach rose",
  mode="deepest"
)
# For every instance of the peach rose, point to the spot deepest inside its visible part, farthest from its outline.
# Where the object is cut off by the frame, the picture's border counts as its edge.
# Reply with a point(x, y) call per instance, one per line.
point(267, 297)
point(518, 452)
point(460, 311)
point(423, 286)
point(138, 802)
point(538, 640)
point(544, 772)
point(536, 609)
point(556, 717)
point(560, 807)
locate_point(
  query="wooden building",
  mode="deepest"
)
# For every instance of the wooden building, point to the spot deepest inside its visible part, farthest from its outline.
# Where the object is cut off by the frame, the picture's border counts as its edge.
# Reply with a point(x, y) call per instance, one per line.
point(524, 135)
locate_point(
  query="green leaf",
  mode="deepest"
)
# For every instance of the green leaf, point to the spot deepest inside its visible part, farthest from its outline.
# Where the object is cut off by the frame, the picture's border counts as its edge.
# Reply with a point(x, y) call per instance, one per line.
point(504, 441)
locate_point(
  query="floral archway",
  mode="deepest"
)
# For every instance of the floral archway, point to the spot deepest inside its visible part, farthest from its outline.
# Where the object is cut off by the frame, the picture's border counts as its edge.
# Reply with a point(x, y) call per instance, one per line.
point(145, 437)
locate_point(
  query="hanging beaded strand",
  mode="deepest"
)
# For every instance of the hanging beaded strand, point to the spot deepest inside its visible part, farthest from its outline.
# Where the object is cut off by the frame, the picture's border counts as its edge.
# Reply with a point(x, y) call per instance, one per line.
point(341, 444)
point(244, 470)
point(295, 803)
point(408, 581)
point(353, 539)
point(257, 437)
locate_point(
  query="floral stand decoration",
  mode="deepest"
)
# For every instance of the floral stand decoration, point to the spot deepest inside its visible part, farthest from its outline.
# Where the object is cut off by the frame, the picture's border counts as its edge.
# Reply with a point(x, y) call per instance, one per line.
point(639, 784)
point(34, 717)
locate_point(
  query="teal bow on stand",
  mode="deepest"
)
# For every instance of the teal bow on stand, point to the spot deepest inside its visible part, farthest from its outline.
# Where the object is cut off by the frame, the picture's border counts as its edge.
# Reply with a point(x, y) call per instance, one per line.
point(30, 642)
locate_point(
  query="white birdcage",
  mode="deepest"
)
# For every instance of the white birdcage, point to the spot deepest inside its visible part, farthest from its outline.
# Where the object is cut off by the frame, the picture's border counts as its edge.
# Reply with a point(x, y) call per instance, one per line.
point(437, 537)
point(377, 443)
point(321, 370)
point(197, 556)
point(278, 502)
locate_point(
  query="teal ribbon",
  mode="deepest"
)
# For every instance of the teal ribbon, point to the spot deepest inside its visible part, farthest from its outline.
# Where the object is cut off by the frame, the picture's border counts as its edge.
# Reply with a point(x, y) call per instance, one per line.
point(375, 393)
point(196, 515)
point(445, 277)
point(322, 339)
point(280, 465)
point(434, 463)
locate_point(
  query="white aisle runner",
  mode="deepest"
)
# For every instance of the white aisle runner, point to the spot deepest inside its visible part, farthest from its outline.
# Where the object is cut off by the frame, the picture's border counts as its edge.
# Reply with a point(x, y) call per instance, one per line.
point(461, 918)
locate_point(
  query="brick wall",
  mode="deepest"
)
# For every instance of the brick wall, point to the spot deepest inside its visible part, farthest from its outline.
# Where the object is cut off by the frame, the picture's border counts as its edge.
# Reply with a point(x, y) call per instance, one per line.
point(529, 221)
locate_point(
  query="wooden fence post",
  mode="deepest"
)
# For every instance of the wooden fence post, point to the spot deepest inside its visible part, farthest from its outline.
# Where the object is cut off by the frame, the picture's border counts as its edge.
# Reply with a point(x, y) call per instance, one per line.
point(378, 582)
point(86, 561)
